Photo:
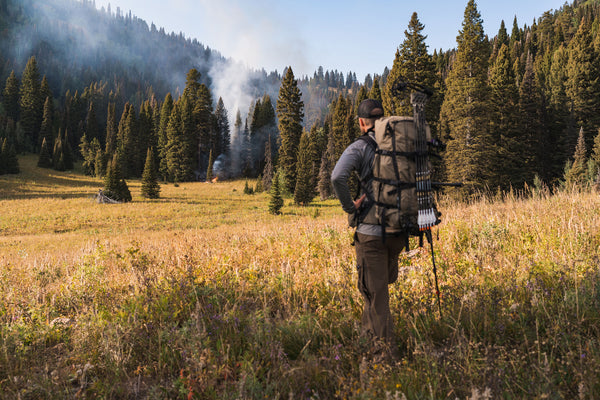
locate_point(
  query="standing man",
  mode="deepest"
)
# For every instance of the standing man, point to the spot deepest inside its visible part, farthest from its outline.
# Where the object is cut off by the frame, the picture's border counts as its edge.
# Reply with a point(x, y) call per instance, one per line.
point(376, 254)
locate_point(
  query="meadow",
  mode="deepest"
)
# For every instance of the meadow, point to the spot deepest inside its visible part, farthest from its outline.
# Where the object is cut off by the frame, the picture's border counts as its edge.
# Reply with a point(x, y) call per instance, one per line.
point(202, 294)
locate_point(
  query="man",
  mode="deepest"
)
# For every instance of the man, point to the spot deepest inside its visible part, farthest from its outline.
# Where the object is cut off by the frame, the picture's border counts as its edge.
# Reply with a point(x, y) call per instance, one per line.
point(376, 255)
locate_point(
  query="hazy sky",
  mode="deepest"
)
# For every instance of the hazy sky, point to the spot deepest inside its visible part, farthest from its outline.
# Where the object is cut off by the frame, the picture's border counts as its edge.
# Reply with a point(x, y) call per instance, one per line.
point(349, 35)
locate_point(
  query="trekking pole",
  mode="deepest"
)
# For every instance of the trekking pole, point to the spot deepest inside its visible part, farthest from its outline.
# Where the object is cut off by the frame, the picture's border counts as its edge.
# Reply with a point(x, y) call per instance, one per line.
point(437, 288)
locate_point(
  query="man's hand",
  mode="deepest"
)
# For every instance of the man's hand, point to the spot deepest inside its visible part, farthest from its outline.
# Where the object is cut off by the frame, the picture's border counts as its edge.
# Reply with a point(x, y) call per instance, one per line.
point(359, 201)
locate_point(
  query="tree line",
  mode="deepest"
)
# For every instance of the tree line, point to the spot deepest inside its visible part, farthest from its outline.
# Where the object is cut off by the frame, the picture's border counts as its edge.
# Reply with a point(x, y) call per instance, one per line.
point(514, 110)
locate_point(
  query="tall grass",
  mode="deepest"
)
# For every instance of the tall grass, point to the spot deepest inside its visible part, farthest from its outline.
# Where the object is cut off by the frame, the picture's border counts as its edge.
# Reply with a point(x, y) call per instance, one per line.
point(204, 294)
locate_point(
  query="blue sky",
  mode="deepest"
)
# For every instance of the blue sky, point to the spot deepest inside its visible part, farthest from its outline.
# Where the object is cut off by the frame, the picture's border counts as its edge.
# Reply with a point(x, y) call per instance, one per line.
point(350, 35)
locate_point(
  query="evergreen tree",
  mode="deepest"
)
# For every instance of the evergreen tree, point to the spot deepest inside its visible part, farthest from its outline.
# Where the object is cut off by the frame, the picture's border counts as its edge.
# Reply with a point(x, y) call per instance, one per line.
point(530, 124)
point(304, 191)
point(165, 114)
point(236, 145)
point(10, 99)
point(340, 137)
point(267, 175)
point(290, 113)
point(100, 164)
point(46, 129)
point(375, 92)
point(150, 186)
point(91, 123)
point(222, 126)
point(503, 122)
point(62, 155)
point(115, 186)
point(583, 82)
point(31, 103)
point(414, 64)
point(209, 171)
point(9, 163)
point(206, 137)
point(111, 130)
point(179, 162)
point(45, 160)
point(575, 172)
point(465, 108)
point(276, 201)
point(324, 185)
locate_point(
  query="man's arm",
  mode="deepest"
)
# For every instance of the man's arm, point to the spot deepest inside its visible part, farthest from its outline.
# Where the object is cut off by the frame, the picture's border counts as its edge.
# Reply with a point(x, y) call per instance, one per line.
point(348, 162)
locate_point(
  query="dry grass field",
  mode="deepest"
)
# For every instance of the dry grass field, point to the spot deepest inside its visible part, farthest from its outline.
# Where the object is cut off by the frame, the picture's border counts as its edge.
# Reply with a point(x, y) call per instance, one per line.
point(202, 294)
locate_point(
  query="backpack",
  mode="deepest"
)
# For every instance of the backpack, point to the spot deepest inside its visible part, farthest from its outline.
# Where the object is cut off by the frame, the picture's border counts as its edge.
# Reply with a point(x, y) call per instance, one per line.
point(402, 199)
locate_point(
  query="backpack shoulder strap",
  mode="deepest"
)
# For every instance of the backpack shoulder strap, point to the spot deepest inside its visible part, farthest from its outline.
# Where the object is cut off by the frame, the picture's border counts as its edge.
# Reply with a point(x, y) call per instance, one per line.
point(368, 140)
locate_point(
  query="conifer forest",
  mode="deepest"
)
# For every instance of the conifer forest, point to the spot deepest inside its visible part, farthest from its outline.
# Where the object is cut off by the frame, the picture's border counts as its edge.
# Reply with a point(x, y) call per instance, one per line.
point(228, 274)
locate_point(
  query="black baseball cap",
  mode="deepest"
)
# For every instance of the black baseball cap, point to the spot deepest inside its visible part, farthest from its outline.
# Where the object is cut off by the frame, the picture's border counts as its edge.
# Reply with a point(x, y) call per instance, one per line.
point(370, 108)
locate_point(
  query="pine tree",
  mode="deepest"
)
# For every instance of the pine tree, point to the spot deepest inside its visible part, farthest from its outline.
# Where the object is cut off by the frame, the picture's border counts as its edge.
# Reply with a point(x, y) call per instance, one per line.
point(150, 186)
point(341, 138)
point(575, 172)
point(503, 124)
point(209, 171)
point(267, 175)
point(290, 113)
point(583, 83)
point(324, 186)
point(375, 92)
point(304, 191)
point(276, 201)
point(414, 64)
point(100, 163)
point(165, 114)
point(10, 99)
point(45, 160)
point(58, 153)
point(9, 163)
point(531, 124)
point(31, 103)
point(222, 126)
point(91, 123)
point(111, 130)
point(46, 129)
point(115, 186)
point(464, 114)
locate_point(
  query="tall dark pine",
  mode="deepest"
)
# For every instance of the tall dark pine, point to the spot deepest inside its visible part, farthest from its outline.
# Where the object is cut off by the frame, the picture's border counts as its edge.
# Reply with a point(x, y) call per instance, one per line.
point(503, 122)
point(10, 98)
point(165, 114)
point(267, 174)
point(290, 111)
point(115, 186)
point(464, 113)
point(305, 187)
point(45, 159)
point(9, 164)
point(31, 103)
point(583, 83)
point(222, 128)
point(575, 171)
point(47, 127)
point(150, 186)
point(413, 63)
point(276, 200)
point(111, 130)
point(531, 124)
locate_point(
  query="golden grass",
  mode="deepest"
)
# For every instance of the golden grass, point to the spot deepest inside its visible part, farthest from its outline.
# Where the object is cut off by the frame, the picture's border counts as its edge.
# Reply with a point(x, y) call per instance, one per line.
point(204, 294)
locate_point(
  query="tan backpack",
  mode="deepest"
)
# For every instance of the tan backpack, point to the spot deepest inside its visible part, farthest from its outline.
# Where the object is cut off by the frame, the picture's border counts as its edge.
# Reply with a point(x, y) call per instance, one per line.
point(395, 180)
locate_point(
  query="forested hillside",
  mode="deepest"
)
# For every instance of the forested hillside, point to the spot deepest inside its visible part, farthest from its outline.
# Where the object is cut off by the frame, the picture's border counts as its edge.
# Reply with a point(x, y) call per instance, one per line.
point(516, 107)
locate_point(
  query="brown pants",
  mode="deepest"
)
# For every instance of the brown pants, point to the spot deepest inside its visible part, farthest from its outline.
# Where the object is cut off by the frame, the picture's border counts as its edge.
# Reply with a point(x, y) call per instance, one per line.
point(377, 263)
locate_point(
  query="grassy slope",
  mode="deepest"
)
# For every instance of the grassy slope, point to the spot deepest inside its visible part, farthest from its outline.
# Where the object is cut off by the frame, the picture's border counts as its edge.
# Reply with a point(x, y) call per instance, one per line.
point(204, 294)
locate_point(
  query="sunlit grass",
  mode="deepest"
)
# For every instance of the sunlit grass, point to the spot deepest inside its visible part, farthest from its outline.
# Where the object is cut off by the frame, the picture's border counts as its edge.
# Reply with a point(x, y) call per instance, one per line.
point(204, 294)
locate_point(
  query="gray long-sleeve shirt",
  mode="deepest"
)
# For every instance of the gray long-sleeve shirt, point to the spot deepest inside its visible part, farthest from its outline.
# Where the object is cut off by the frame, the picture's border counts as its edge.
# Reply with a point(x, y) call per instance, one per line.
point(357, 157)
